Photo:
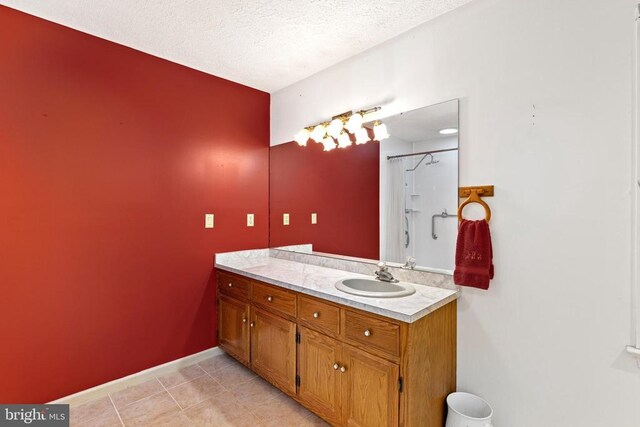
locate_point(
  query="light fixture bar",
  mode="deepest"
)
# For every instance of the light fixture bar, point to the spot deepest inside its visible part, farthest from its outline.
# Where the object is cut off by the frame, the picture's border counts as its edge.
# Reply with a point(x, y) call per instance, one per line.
point(346, 115)
point(342, 116)
point(349, 121)
point(370, 110)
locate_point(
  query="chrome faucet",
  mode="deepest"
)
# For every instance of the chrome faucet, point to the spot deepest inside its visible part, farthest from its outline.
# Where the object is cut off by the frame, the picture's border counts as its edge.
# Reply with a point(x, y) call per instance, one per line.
point(384, 275)
point(410, 264)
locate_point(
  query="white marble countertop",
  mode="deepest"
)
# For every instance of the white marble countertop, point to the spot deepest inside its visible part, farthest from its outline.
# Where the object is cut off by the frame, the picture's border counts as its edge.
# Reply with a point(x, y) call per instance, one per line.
point(320, 282)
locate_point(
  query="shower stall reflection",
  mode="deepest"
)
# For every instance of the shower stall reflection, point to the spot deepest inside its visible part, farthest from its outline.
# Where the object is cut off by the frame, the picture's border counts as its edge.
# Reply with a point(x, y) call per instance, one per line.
point(418, 188)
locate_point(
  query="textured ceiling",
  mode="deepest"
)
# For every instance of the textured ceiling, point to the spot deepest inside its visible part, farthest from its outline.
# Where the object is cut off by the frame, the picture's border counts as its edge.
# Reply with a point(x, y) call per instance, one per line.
point(266, 44)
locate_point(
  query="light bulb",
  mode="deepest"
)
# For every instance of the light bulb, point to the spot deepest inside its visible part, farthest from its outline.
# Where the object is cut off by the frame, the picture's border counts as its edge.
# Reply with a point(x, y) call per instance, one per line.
point(380, 131)
point(335, 127)
point(362, 136)
point(302, 137)
point(354, 123)
point(343, 140)
point(329, 143)
point(318, 133)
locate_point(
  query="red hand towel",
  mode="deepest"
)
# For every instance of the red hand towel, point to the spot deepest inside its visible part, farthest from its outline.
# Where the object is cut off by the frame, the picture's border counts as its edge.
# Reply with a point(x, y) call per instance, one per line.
point(474, 255)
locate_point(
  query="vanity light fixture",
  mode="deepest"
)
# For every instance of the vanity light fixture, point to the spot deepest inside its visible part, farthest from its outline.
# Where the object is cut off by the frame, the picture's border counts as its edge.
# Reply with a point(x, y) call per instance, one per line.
point(302, 137)
point(318, 132)
point(448, 131)
point(328, 143)
point(344, 140)
point(354, 123)
point(362, 136)
point(380, 131)
point(339, 130)
point(335, 127)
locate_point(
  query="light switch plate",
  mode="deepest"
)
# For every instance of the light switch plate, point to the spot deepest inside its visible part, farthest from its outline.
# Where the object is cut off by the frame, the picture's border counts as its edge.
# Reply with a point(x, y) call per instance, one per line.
point(285, 219)
point(249, 220)
point(208, 221)
point(314, 218)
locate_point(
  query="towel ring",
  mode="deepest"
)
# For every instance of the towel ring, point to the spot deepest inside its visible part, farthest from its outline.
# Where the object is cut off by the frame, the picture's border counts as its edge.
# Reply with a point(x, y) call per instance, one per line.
point(474, 197)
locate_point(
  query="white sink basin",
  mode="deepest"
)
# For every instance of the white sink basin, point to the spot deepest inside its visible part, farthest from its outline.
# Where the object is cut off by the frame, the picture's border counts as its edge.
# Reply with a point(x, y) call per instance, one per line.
point(374, 288)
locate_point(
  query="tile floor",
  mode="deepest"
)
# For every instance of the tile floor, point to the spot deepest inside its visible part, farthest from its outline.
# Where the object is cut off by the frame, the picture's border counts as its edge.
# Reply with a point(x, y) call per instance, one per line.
point(217, 392)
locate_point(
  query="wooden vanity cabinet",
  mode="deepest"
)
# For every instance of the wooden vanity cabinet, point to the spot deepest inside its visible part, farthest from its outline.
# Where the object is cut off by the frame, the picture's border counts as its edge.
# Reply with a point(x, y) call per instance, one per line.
point(350, 367)
point(233, 327)
point(273, 349)
point(319, 365)
point(234, 286)
point(344, 385)
point(371, 389)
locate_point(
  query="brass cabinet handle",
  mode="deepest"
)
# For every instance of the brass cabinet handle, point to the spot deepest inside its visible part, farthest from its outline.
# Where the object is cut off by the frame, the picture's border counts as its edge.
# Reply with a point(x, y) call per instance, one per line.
point(244, 320)
point(251, 324)
point(343, 369)
point(269, 298)
point(367, 333)
point(230, 285)
point(336, 366)
point(316, 315)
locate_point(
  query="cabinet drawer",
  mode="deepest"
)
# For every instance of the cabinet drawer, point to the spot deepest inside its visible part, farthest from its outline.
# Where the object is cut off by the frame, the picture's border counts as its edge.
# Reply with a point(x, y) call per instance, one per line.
point(233, 285)
point(274, 299)
point(372, 332)
point(319, 315)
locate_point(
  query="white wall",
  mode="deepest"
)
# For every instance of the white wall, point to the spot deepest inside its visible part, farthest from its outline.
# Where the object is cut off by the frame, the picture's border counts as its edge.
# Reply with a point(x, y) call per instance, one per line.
point(545, 344)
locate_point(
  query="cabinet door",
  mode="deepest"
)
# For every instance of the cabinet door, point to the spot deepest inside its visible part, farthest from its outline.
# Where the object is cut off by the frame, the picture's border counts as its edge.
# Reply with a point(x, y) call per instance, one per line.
point(318, 367)
point(273, 349)
point(233, 327)
point(370, 389)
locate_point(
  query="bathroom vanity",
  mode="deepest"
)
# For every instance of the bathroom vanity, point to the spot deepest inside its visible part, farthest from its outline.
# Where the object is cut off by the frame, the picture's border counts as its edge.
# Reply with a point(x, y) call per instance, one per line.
point(352, 360)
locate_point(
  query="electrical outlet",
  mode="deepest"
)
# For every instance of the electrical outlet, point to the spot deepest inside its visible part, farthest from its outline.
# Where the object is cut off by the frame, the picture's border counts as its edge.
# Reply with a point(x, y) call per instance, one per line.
point(314, 218)
point(249, 220)
point(285, 219)
point(208, 221)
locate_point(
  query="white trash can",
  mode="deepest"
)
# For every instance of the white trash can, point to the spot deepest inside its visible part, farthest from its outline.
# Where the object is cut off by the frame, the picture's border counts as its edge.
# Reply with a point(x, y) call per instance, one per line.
point(468, 410)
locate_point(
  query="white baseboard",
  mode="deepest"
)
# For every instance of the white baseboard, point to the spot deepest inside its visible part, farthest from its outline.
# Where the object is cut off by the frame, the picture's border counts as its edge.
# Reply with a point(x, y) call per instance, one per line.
point(137, 378)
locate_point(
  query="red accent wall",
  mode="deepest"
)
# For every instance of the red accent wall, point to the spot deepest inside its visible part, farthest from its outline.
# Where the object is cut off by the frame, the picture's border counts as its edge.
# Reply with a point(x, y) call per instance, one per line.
point(341, 186)
point(109, 160)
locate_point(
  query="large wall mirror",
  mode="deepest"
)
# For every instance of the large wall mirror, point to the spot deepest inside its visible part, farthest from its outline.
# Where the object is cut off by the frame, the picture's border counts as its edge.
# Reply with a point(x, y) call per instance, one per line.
point(391, 200)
